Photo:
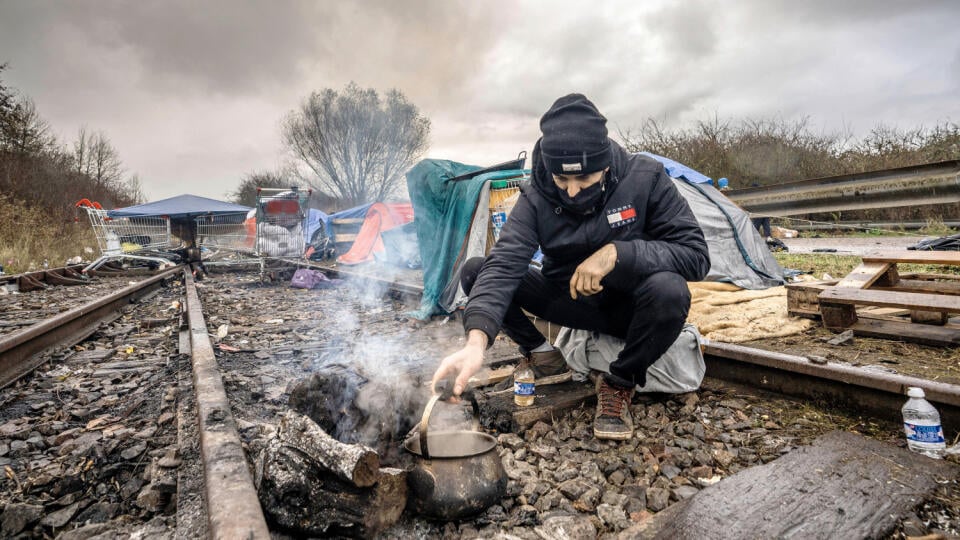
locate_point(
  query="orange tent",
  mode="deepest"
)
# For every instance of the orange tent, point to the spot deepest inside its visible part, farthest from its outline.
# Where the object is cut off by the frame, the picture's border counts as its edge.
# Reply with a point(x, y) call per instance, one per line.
point(380, 217)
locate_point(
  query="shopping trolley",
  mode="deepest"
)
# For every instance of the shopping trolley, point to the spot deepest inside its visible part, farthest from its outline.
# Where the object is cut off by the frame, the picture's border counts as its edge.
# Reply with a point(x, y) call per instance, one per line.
point(234, 234)
point(143, 238)
point(281, 219)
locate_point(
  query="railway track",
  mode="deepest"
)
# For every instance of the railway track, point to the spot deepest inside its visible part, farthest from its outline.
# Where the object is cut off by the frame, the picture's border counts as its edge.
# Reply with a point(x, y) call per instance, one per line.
point(194, 392)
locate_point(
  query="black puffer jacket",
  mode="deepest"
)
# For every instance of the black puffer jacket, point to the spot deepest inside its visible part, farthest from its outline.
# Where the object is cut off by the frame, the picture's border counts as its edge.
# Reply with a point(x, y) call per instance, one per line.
point(642, 213)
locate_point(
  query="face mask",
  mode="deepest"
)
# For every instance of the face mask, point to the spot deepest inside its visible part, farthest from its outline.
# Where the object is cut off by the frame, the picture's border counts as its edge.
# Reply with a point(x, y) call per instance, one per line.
point(586, 200)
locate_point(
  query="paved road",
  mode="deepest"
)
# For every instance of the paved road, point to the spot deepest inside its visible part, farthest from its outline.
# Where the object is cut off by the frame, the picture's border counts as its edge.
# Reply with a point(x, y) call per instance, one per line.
point(852, 245)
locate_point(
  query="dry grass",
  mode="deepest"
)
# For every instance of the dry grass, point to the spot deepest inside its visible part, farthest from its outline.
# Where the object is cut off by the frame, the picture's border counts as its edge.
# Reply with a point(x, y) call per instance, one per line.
point(838, 266)
point(28, 237)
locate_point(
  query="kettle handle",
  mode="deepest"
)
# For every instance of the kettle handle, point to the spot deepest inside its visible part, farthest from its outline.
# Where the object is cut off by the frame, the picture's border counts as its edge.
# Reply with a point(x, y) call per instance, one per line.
point(428, 410)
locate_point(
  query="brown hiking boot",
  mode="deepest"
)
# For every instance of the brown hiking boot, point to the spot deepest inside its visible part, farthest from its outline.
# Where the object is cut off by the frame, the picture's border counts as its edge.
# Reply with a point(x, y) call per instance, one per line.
point(550, 367)
point(612, 420)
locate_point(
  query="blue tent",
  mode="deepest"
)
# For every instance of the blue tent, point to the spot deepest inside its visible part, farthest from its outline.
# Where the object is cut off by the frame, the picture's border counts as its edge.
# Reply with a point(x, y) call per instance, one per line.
point(181, 206)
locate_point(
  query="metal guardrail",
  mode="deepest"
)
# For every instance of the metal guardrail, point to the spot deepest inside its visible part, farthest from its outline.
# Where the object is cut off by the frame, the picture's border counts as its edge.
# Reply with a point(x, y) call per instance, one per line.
point(932, 183)
point(860, 225)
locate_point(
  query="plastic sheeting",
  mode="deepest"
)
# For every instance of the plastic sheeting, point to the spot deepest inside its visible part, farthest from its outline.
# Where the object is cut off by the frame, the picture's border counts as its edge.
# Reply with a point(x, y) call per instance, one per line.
point(679, 170)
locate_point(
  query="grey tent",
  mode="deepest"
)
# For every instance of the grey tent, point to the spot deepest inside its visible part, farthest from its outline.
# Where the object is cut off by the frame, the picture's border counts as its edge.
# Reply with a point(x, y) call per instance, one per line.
point(738, 254)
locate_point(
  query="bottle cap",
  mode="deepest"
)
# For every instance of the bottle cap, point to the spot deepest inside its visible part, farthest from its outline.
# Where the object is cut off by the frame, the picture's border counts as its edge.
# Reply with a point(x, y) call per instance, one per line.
point(915, 392)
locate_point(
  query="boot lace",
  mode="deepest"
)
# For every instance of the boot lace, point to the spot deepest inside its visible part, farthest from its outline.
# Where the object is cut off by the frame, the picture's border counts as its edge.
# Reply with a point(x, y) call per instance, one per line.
point(612, 399)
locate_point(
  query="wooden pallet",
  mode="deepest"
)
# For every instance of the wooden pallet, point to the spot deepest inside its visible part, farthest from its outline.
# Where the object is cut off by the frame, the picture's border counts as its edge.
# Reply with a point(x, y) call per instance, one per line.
point(876, 283)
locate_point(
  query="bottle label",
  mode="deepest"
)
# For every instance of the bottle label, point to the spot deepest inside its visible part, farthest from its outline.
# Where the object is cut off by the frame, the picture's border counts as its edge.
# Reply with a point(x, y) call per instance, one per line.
point(523, 388)
point(923, 434)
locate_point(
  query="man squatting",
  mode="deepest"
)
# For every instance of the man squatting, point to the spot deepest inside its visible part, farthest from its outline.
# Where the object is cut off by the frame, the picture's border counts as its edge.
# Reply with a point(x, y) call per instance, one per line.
point(619, 244)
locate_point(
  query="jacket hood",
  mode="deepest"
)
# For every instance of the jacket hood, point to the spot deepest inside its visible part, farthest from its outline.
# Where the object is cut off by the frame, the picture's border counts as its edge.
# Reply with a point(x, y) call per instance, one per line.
point(542, 180)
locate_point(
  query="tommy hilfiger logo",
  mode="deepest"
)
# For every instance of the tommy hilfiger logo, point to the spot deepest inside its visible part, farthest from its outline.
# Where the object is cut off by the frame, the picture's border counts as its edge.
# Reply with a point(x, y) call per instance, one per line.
point(571, 167)
point(618, 217)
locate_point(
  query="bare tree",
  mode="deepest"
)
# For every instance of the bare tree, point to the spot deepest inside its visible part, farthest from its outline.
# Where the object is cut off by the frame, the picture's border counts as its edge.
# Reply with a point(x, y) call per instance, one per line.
point(24, 131)
point(356, 145)
point(103, 163)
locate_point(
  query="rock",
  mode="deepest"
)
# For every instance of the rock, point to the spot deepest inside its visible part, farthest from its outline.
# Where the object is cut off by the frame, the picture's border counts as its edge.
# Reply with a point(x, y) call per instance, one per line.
point(566, 527)
point(612, 516)
point(700, 472)
point(81, 445)
point(526, 516)
point(151, 500)
point(19, 448)
point(657, 499)
point(170, 460)
point(93, 530)
point(590, 472)
point(567, 471)
point(16, 517)
point(669, 471)
point(511, 441)
point(130, 487)
point(61, 517)
point(617, 477)
point(549, 500)
point(537, 431)
point(133, 451)
point(684, 492)
point(544, 451)
point(100, 512)
point(614, 499)
point(573, 489)
point(591, 445)
point(588, 501)
point(4, 449)
point(723, 458)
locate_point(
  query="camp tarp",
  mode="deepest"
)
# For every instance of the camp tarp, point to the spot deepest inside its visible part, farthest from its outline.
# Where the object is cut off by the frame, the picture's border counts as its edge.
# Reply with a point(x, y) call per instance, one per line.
point(380, 217)
point(181, 206)
point(444, 214)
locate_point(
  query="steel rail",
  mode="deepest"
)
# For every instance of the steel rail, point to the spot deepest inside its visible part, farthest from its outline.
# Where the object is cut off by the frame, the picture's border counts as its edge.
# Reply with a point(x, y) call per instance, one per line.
point(21, 352)
point(932, 183)
point(878, 394)
point(233, 509)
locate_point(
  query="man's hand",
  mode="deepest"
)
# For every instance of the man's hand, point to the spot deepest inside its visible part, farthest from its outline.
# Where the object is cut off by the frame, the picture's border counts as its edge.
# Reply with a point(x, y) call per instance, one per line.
point(586, 278)
point(463, 363)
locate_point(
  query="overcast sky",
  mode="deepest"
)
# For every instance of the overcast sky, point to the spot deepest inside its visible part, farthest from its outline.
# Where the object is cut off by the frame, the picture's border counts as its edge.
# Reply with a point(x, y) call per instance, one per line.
point(192, 93)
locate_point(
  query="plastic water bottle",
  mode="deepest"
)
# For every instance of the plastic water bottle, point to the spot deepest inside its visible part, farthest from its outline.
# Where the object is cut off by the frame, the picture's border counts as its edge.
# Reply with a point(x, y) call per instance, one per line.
point(921, 424)
point(523, 385)
point(498, 219)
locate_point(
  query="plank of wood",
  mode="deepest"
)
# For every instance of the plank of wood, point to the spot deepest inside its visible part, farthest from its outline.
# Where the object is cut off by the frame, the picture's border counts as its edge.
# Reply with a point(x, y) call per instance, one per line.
point(918, 285)
point(951, 258)
point(864, 275)
point(867, 297)
point(842, 486)
point(924, 334)
point(498, 411)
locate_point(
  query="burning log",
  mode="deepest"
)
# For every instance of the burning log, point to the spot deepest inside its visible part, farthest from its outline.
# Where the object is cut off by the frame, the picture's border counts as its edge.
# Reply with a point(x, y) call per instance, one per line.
point(354, 406)
point(354, 463)
point(313, 484)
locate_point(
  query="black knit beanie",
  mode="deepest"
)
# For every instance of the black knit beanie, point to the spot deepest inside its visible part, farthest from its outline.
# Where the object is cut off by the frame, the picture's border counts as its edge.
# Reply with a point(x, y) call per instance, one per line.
point(574, 137)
